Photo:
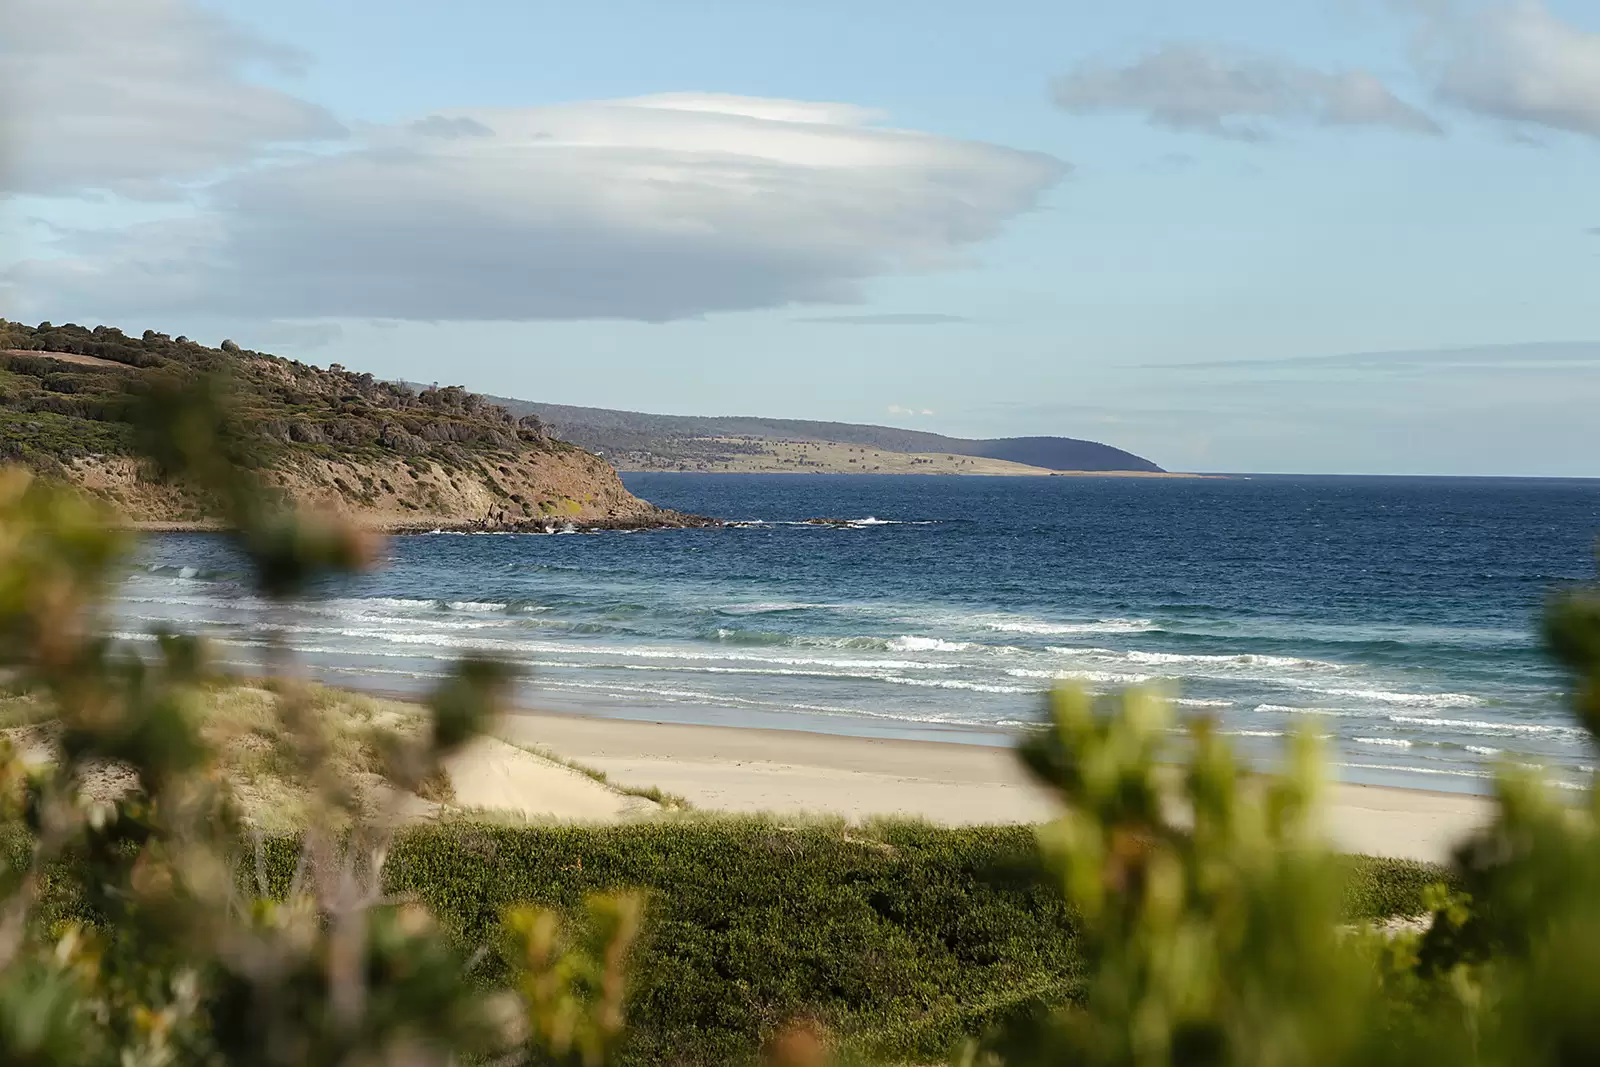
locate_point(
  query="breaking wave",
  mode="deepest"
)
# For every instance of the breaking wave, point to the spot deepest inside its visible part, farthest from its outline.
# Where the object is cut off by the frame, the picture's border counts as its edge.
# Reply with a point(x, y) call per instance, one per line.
point(1099, 626)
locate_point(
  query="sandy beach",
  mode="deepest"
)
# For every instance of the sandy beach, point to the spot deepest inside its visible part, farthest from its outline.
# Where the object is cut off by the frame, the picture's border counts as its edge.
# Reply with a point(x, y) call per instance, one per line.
point(739, 770)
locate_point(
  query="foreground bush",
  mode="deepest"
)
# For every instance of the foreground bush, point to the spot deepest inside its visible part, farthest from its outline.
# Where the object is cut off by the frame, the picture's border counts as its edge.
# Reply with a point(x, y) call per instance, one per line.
point(124, 936)
point(1213, 934)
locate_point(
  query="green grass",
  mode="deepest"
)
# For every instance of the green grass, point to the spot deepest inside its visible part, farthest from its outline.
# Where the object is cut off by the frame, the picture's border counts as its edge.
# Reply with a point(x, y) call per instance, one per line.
point(1379, 888)
point(901, 938)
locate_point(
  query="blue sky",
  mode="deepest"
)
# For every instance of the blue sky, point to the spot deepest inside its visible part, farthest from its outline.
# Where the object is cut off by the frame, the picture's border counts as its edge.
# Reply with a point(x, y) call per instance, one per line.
point(1335, 236)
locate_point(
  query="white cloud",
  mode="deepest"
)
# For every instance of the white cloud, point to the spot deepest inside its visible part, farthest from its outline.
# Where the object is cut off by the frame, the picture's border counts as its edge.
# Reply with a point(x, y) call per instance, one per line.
point(1240, 95)
point(1514, 61)
point(654, 208)
point(133, 95)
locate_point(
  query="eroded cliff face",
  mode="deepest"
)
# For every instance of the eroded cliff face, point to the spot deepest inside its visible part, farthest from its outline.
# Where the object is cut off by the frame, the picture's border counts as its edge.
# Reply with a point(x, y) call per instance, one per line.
point(527, 489)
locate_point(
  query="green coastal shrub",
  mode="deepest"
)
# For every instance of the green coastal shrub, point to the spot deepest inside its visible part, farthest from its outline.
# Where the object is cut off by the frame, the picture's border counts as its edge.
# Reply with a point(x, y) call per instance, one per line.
point(125, 938)
point(55, 410)
point(1213, 936)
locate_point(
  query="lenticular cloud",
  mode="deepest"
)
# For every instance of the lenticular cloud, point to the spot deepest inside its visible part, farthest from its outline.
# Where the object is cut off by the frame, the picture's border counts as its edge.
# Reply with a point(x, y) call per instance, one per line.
point(654, 208)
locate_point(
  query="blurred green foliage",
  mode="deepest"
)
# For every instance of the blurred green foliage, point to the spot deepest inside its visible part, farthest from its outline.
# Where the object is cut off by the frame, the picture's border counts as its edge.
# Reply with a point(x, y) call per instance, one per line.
point(1211, 908)
point(124, 936)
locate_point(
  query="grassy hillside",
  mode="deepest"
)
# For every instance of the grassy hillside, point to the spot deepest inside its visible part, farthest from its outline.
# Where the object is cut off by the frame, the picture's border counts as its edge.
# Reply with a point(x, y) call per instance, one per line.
point(634, 440)
point(399, 454)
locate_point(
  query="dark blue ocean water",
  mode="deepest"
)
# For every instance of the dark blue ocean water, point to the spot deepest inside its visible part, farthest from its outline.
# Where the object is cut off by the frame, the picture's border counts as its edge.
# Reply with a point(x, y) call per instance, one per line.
point(1398, 614)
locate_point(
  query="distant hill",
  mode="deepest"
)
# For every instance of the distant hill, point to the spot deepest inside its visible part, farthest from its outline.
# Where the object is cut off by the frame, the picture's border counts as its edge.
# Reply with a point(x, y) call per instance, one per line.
point(637, 441)
point(395, 456)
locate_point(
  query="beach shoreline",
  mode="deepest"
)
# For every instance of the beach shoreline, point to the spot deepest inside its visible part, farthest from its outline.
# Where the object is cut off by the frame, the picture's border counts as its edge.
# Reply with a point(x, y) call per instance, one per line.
point(757, 770)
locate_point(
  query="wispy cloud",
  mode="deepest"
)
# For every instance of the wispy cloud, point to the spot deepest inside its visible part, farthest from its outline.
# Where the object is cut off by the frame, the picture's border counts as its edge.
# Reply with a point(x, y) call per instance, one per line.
point(897, 409)
point(1515, 61)
point(158, 97)
point(1235, 94)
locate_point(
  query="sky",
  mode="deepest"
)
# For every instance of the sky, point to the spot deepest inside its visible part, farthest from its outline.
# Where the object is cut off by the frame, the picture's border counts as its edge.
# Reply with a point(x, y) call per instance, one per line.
point(1320, 236)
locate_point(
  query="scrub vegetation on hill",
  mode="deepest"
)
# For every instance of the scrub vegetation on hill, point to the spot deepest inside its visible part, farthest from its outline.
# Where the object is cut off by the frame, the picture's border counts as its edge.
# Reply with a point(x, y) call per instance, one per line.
point(294, 408)
point(402, 454)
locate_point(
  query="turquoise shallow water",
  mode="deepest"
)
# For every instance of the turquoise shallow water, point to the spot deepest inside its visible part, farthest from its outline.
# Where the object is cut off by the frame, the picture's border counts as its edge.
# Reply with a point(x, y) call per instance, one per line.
point(1397, 614)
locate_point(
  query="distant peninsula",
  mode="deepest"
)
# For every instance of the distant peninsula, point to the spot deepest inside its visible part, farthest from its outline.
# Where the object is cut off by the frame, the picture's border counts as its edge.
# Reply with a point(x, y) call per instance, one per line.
point(635, 441)
point(404, 457)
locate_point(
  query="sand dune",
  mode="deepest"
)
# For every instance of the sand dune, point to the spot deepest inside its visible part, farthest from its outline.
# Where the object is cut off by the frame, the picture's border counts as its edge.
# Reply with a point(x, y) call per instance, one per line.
point(490, 774)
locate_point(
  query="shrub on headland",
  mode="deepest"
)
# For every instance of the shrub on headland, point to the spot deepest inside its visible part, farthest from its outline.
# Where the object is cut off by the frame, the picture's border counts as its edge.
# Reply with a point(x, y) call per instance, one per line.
point(50, 408)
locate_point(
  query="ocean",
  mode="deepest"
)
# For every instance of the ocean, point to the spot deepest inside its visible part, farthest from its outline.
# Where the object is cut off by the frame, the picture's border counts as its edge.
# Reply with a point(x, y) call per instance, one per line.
point(1396, 615)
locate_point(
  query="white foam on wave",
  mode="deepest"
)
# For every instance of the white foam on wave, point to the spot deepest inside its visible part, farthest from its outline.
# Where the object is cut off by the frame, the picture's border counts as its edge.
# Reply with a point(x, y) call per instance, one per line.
point(391, 620)
point(1448, 772)
point(1410, 700)
point(1243, 659)
point(658, 656)
point(853, 524)
point(1103, 677)
point(782, 672)
point(171, 572)
point(912, 643)
point(1387, 742)
point(1484, 750)
point(767, 607)
point(198, 601)
point(693, 696)
point(1478, 725)
point(1285, 709)
point(1196, 702)
point(863, 671)
point(1252, 733)
point(1099, 626)
point(648, 652)
point(952, 683)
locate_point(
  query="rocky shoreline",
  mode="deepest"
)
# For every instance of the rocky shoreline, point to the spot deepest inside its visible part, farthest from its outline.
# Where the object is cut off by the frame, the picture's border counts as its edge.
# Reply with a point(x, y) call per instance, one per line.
point(662, 519)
